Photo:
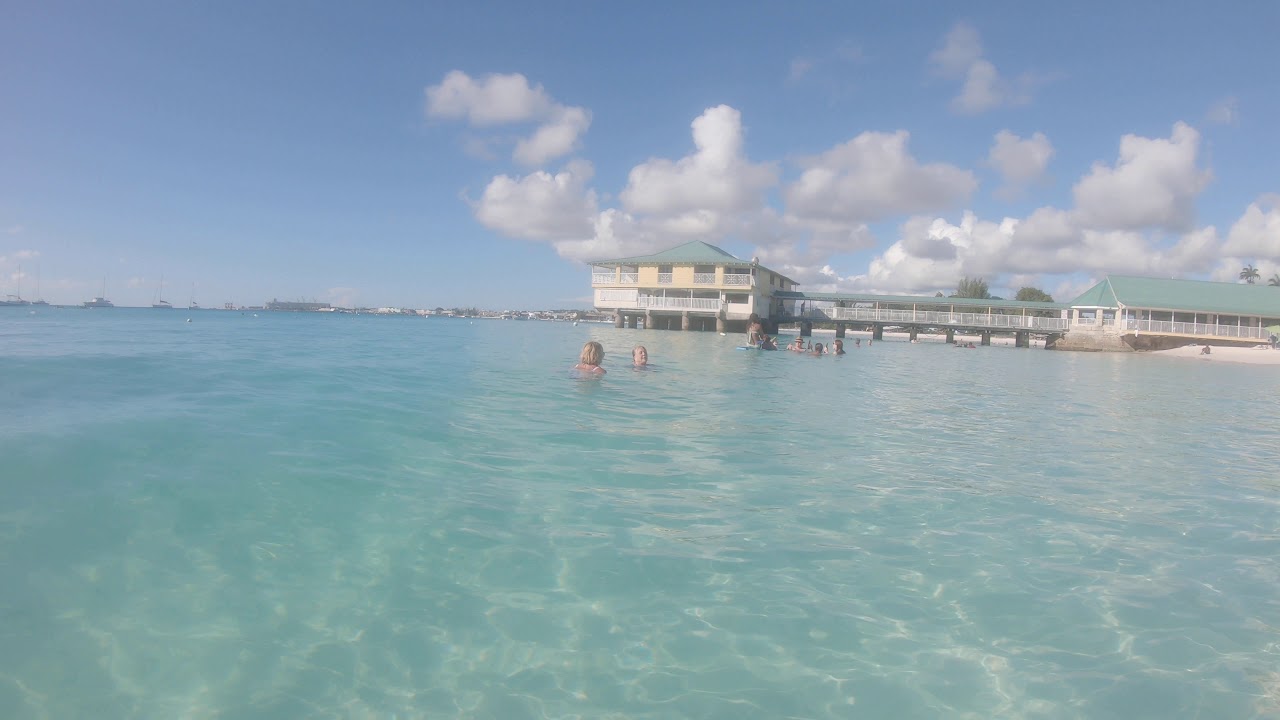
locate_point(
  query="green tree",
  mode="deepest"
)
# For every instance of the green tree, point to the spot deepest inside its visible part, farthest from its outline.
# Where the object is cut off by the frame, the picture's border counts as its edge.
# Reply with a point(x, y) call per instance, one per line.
point(1249, 273)
point(1030, 294)
point(938, 294)
point(972, 288)
point(1274, 281)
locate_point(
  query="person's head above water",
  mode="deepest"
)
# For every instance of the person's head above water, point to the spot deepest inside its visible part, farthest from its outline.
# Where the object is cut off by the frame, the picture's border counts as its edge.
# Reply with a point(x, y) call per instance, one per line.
point(592, 353)
point(639, 355)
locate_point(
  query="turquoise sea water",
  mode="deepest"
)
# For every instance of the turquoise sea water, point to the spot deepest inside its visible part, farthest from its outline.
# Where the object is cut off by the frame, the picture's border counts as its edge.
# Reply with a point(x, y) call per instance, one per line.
point(306, 516)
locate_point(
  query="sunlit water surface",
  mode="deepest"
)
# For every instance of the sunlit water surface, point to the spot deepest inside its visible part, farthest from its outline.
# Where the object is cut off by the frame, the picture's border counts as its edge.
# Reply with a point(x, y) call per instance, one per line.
point(306, 516)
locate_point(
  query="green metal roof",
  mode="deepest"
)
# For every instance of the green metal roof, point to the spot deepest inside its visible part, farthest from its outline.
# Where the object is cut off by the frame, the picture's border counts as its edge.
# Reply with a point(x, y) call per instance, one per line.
point(923, 300)
point(1183, 295)
point(690, 253)
point(1099, 295)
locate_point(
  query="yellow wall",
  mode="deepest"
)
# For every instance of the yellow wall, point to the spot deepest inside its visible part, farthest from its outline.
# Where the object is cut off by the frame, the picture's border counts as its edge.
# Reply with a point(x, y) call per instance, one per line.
point(648, 274)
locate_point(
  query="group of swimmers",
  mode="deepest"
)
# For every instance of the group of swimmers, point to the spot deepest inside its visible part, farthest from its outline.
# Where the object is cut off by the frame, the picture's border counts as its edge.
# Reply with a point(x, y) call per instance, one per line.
point(758, 338)
point(593, 354)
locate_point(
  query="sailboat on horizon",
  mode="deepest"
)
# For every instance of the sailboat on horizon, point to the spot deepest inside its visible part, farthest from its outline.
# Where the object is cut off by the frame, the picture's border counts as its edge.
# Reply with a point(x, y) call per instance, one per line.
point(161, 302)
point(101, 301)
point(39, 298)
point(14, 300)
point(194, 305)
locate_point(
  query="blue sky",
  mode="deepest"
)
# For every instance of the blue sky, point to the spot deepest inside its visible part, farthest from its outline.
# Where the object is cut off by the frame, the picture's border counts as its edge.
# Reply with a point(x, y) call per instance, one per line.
point(415, 156)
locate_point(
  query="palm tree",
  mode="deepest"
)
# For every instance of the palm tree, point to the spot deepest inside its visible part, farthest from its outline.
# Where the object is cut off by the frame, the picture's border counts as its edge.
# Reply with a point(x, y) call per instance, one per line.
point(1249, 273)
point(1274, 281)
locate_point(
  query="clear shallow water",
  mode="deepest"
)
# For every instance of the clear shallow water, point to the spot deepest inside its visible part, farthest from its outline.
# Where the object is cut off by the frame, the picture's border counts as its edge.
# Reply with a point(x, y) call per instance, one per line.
point(296, 516)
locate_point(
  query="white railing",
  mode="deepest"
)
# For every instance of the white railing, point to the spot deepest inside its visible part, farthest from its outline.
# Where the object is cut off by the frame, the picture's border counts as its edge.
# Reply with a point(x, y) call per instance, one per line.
point(1203, 329)
point(704, 278)
point(664, 278)
point(666, 303)
point(603, 278)
point(929, 317)
point(629, 278)
point(616, 297)
point(734, 279)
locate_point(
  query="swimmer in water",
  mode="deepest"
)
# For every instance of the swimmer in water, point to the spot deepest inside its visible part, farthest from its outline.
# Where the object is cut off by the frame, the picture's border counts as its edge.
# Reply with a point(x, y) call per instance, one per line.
point(639, 356)
point(590, 359)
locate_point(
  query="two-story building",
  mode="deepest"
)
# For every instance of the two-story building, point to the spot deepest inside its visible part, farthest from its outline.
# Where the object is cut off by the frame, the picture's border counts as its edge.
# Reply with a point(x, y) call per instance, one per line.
point(695, 286)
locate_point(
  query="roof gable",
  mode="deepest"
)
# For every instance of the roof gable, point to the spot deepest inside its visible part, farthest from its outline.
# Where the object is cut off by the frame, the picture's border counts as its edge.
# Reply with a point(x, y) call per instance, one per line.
point(1100, 295)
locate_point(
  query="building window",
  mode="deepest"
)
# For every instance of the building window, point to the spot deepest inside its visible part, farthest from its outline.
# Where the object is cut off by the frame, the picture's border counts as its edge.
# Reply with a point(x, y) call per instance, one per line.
point(664, 274)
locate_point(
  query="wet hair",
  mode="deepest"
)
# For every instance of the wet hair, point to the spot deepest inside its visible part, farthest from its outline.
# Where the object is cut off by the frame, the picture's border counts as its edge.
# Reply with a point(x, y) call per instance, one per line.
point(592, 353)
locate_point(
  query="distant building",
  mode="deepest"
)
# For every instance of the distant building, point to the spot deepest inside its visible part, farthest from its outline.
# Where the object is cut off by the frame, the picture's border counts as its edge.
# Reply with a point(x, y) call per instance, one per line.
point(1141, 313)
point(695, 286)
point(296, 306)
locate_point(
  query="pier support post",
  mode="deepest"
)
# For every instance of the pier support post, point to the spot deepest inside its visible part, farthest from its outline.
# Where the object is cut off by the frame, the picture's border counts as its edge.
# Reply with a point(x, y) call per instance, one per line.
point(877, 332)
point(719, 324)
point(986, 337)
point(618, 319)
point(633, 321)
point(648, 320)
point(806, 329)
point(839, 330)
point(951, 337)
point(912, 334)
point(1022, 339)
point(684, 320)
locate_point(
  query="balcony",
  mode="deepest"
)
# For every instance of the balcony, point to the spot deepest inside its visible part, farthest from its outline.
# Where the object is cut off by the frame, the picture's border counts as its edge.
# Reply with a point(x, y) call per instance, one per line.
point(666, 303)
point(664, 278)
point(604, 279)
point(629, 278)
point(738, 280)
point(704, 278)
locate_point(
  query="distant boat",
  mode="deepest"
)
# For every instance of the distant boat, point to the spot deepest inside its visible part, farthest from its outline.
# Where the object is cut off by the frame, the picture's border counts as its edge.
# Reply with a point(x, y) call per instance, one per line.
point(161, 302)
point(194, 305)
point(15, 300)
point(101, 301)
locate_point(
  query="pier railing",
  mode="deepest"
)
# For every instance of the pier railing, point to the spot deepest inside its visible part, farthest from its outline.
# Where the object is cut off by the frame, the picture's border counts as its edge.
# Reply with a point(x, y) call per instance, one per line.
point(1203, 329)
point(930, 317)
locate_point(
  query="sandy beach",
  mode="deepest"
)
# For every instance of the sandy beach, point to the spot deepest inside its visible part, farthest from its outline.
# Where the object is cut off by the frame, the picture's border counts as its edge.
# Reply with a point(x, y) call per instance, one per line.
point(1257, 355)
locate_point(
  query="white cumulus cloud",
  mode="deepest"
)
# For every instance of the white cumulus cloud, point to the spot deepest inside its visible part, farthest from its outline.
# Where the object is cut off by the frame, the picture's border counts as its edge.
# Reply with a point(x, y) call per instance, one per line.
point(1020, 161)
point(873, 177)
point(983, 88)
point(540, 206)
point(1154, 183)
point(1256, 234)
point(716, 178)
point(499, 99)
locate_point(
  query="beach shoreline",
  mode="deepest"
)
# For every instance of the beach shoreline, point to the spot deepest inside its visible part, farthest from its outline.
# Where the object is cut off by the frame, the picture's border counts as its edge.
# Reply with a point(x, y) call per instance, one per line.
point(1254, 355)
